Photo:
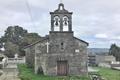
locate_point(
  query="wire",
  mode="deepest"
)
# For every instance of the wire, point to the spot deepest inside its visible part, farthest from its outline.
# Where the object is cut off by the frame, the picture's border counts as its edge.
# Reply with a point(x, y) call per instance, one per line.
point(29, 12)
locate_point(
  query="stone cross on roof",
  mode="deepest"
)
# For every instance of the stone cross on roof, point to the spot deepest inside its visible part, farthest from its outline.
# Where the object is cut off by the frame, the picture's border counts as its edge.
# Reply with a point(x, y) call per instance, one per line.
point(47, 43)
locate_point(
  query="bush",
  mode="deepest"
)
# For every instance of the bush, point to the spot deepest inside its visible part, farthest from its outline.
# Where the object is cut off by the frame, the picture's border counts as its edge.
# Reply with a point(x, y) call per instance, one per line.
point(24, 78)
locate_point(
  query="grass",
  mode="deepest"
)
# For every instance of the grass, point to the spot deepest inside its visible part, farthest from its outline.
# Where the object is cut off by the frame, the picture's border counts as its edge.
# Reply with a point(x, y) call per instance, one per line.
point(109, 74)
point(27, 74)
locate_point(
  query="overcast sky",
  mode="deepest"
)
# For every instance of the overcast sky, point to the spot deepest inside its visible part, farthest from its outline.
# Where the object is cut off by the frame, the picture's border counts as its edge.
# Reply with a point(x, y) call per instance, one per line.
point(95, 21)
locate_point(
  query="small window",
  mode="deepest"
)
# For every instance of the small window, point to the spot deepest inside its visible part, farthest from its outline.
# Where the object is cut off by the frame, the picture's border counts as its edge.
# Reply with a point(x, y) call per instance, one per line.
point(77, 50)
point(62, 45)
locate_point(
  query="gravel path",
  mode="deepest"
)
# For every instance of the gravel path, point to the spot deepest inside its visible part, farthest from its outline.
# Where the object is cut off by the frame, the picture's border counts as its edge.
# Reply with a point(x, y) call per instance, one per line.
point(10, 73)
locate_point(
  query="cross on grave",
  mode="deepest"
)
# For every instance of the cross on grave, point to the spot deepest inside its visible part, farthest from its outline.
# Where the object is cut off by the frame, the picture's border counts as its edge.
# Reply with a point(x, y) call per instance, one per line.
point(47, 46)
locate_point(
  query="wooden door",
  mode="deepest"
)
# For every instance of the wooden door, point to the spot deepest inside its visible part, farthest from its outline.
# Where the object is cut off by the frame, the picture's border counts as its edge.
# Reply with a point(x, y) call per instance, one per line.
point(62, 68)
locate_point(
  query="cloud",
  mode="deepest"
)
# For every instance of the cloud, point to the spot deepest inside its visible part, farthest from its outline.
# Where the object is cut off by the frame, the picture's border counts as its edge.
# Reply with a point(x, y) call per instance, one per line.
point(95, 21)
point(118, 37)
point(104, 36)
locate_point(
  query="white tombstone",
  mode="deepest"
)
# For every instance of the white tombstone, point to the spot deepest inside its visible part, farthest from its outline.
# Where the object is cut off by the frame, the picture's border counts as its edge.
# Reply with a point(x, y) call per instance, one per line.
point(16, 56)
point(3, 62)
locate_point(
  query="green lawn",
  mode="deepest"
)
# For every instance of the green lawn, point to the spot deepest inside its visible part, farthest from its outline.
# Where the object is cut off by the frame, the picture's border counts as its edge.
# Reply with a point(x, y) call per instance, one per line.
point(109, 74)
point(27, 74)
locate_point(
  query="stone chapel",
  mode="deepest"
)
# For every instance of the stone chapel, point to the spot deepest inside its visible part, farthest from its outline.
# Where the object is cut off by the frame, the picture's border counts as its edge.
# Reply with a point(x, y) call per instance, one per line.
point(59, 53)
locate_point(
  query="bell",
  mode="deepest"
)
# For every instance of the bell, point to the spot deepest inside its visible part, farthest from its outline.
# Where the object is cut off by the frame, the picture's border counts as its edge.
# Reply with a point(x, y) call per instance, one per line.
point(56, 23)
point(65, 23)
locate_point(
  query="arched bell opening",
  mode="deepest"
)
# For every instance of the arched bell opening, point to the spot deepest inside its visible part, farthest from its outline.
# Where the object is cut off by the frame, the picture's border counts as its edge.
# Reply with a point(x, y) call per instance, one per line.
point(56, 23)
point(65, 23)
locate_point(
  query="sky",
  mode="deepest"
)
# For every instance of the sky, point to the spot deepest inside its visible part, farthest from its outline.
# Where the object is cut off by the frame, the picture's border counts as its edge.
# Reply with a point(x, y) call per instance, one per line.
point(95, 21)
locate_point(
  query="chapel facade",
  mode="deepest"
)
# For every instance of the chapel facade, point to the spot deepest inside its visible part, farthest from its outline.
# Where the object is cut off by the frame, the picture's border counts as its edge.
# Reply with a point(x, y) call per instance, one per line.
point(59, 53)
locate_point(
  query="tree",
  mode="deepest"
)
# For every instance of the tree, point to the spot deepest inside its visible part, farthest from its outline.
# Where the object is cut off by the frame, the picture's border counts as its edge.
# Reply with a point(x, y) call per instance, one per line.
point(28, 39)
point(115, 51)
point(11, 49)
point(15, 39)
point(12, 39)
point(31, 37)
point(14, 34)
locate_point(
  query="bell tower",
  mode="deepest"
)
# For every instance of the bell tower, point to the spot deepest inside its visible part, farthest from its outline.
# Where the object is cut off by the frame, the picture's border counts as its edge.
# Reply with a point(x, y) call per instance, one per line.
point(61, 20)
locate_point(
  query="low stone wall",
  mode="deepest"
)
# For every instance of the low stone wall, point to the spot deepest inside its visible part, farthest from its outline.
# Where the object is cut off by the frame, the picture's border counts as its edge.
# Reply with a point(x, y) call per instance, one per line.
point(115, 65)
point(116, 68)
point(16, 60)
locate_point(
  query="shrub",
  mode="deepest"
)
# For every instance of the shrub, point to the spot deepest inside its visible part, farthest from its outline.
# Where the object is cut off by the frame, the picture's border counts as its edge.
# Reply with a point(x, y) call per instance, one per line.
point(24, 78)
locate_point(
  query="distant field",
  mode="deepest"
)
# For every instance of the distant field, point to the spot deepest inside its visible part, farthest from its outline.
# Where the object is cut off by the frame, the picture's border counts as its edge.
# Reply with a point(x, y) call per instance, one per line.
point(109, 74)
point(27, 74)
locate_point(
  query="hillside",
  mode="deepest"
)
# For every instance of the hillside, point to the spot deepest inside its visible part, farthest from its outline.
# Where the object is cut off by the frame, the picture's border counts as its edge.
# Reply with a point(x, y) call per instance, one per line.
point(98, 50)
